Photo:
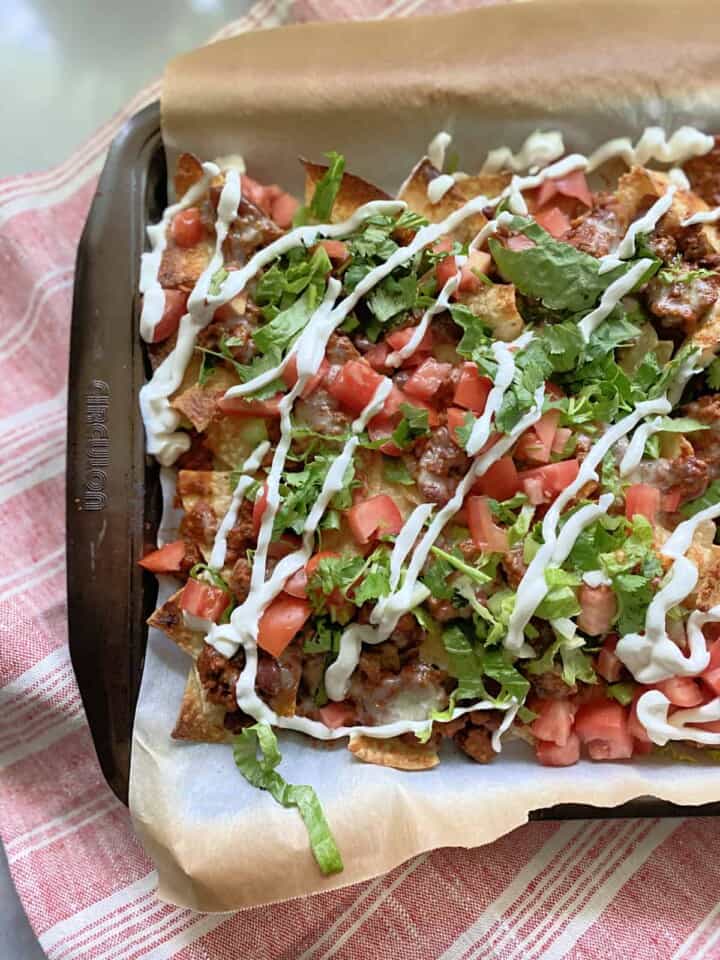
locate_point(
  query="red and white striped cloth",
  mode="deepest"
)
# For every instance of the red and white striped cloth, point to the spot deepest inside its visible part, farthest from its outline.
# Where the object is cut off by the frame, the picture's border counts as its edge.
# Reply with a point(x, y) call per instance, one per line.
point(645, 890)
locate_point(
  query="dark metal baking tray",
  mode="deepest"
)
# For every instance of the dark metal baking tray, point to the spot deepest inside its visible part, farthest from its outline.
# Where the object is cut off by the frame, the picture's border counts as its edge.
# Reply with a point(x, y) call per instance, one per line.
point(113, 492)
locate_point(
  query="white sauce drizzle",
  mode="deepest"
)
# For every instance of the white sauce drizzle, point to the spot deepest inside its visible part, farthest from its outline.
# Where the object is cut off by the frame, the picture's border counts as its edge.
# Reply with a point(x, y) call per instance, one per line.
point(539, 149)
point(685, 143)
point(596, 578)
point(703, 216)
point(506, 723)
point(556, 547)
point(153, 294)
point(251, 465)
point(437, 148)
point(438, 187)
point(644, 224)
point(504, 355)
point(612, 296)
point(653, 656)
point(397, 357)
point(164, 442)
point(678, 178)
point(636, 448)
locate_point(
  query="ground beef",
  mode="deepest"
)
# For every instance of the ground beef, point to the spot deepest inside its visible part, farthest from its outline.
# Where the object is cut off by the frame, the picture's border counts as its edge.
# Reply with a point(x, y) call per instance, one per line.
point(476, 742)
point(407, 633)
point(552, 686)
point(239, 579)
point(235, 720)
point(663, 246)
point(682, 304)
point(689, 474)
point(340, 349)
point(444, 610)
point(514, 566)
point(321, 413)
point(704, 175)
point(190, 558)
point(241, 535)
point(440, 466)
point(378, 661)
point(250, 231)
point(219, 675)
point(199, 524)
point(706, 443)
point(198, 457)
point(597, 232)
point(239, 328)
point(693, 243)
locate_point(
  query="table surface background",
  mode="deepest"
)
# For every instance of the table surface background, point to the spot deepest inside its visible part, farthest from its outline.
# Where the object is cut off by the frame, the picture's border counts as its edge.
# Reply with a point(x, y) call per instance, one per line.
point(67, 82)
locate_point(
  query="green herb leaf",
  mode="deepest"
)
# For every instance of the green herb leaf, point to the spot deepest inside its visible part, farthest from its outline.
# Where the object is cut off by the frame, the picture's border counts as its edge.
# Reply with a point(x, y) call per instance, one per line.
point(414, 424)
point(622, 692)
point(260, 771)
point(713, 374)
point(392, 296)
point(327, 187)
point(710, 498)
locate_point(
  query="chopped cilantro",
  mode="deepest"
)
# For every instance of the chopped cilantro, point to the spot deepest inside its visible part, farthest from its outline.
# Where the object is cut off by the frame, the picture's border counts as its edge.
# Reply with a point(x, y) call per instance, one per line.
point(414, 424)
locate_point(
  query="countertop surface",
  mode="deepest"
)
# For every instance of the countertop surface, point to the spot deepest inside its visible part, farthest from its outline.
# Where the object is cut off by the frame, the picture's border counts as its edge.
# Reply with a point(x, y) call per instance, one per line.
point(66, 66)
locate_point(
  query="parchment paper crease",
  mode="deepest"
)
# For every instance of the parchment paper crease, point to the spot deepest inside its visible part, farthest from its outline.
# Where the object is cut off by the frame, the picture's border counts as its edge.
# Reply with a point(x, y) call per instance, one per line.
point(378, 92)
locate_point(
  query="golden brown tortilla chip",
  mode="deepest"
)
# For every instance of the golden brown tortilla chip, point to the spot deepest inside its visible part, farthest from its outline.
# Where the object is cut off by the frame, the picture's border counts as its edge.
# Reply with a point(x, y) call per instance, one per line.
point(169, 619)
point(707, 335)
point(353, 192)
point(232, 439)
point(488, 184)
point(199, 720)
point(414, 193)
point(187, 173)
point(197, 403)
point(395, 752)
point(495, 305)
point(180, 267)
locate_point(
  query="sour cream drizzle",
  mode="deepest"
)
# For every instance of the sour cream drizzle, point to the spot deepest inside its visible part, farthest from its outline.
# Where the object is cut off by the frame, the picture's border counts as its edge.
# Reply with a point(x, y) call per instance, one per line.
point(153, 294)
point(644, 224)
point(437, 148)
point(653, 656)
point(685, 143)
point(164, 442)
point(635, 449)
point(556, 547)
point(612, 296)
point(251, 465)
point(703, 216)
point(539, 149)
point(438, 187)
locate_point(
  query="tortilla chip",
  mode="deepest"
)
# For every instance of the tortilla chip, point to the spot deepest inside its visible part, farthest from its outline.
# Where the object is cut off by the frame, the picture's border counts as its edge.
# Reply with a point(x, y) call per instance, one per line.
point(212, 486)
point(488, 184)
point(495, 305)
point(707, 335)
point(394, 752)
point(414, 193)
point(169, 619)
point(353, 192)
point(707, 560)
point(180, 267)
point(198, 404)
point(199, 720)
point(233, 439)
point(187, 173)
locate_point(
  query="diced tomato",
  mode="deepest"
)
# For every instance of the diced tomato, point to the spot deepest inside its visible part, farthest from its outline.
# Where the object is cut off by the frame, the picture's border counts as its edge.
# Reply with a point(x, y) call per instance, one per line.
point(485, 533)
point(377, 356)
point(551, 755)
point(535, 491)
point(519, 242)
point(571, 185)
point(382, 426)
point(536, 443)
point(599, 608)
point(187, 227)
point(397, 397)
point(335, 249)
point(400, 338)
point(670, 501)
point(636, 730)
point(203, 600)
point(377, 517)
point(642, 747)
point(289, 376)
point(282, 619)
point(339, 714)
point(242, 407)
point(500, 481)
point(256, 193)
point(443, 245)
point(165, 560)
point(609, 665)
point(603, 726)
point(554, 220)
point(554, 721)
point(472, 389)
point(428, 378)
point(681, 691)
point(469, 282)
point(711, 674)
point(296, 585)
point(455, 419)
point(553, 478)
point(562, 435)
point(554, 391)
point(355, 385)
point(445, 269)
point(642, 499)
point(261, 501)
point(175, 307)
point(282, 210)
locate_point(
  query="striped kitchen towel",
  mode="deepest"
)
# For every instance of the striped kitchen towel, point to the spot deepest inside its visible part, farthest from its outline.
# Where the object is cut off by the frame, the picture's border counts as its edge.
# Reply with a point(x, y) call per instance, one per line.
point(645, 890)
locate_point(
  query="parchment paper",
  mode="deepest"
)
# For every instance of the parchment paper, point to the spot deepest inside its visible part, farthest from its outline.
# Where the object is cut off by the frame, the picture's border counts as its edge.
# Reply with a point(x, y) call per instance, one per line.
point(378, 92)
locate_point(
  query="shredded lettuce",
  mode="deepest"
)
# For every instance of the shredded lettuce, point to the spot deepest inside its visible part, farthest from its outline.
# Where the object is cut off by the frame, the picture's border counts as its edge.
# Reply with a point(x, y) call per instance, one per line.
point(260, 771)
